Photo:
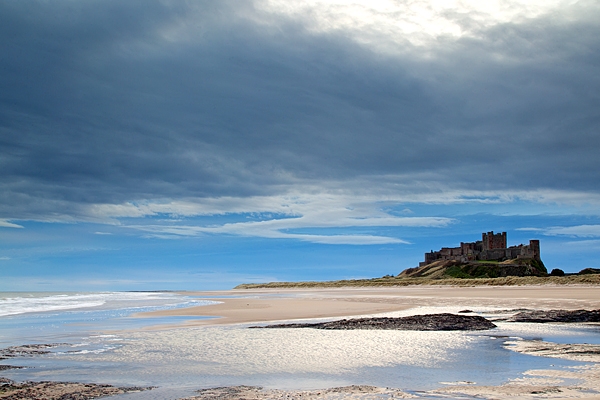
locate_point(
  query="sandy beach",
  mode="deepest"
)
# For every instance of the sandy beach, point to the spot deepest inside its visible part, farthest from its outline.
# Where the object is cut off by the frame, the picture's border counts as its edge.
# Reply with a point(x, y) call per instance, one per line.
point(264, 305)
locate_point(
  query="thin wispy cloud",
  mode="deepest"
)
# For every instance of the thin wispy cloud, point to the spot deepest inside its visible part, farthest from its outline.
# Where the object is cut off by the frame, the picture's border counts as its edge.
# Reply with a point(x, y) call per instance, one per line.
point(307, 216)
point(583, 231)
point(6, 224)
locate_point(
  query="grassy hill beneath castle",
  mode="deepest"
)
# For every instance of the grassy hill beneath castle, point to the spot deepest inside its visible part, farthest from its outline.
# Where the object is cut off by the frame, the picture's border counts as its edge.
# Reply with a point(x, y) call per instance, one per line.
point(477, 269)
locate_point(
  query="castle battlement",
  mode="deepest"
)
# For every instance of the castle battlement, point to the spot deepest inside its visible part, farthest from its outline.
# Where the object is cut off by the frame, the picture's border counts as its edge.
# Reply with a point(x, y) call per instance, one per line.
point(491, 247)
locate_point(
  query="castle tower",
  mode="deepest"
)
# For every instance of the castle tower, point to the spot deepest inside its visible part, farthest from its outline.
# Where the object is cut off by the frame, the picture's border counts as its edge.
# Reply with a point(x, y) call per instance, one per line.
point(491, 241)
point(534, 248)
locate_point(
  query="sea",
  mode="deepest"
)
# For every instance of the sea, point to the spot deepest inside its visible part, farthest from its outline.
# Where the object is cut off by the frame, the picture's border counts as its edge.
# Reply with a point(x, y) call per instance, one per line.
point(97, 339)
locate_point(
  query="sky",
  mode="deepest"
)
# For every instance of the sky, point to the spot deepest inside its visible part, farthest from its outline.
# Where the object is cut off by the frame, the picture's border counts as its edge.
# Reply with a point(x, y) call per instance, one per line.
point(164, 145)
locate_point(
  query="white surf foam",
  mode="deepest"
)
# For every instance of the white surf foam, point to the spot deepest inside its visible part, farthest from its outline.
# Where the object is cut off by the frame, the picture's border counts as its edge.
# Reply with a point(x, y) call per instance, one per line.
point(39, 303)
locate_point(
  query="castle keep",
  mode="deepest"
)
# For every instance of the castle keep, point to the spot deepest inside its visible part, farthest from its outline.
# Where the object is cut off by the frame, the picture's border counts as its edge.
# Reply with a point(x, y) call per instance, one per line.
point(491, 247)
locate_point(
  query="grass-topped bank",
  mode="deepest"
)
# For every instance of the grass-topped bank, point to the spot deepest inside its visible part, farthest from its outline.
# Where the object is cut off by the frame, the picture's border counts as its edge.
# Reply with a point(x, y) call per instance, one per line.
point(478, 269)
point(441, 275)
point(396, 281)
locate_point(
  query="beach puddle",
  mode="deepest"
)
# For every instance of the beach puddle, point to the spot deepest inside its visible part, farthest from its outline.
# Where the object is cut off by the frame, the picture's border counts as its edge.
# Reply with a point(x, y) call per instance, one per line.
point(294, 359)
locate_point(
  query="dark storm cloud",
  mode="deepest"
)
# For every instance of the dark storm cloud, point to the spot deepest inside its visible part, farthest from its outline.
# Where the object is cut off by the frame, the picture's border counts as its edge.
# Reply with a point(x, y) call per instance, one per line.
point(112, 101)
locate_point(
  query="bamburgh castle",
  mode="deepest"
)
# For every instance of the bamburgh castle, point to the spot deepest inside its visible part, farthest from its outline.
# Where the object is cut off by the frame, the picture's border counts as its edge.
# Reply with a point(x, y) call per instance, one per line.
point(492, 247)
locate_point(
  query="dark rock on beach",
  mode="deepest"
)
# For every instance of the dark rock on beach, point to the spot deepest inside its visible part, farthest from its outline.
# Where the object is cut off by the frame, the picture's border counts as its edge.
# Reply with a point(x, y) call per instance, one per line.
point(28, 350)
point(7, 367)
point(576, 352)
point(337, 393)
point(10, 390)
point(541, 316)
point(429, 322)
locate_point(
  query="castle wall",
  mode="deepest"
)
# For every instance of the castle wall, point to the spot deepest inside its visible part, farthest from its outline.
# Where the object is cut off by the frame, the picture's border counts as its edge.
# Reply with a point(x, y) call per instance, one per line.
point(531, 251)
point(450, 252)
point(469, 248)
point(496, 254)
point(431, 257)
point(514, 251)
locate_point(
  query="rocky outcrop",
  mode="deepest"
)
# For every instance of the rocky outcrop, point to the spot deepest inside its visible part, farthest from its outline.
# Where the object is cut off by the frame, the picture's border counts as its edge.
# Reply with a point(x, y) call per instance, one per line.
point(589, 271)
point(6, 367)
point(541, 316)
point(429, 322)
point(28, 350)
point(258, 393)
point(576, 352)
point(11, 390)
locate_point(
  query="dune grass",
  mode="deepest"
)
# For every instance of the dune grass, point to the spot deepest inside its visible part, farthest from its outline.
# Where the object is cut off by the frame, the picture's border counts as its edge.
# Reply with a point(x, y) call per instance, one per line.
point(396, 281)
